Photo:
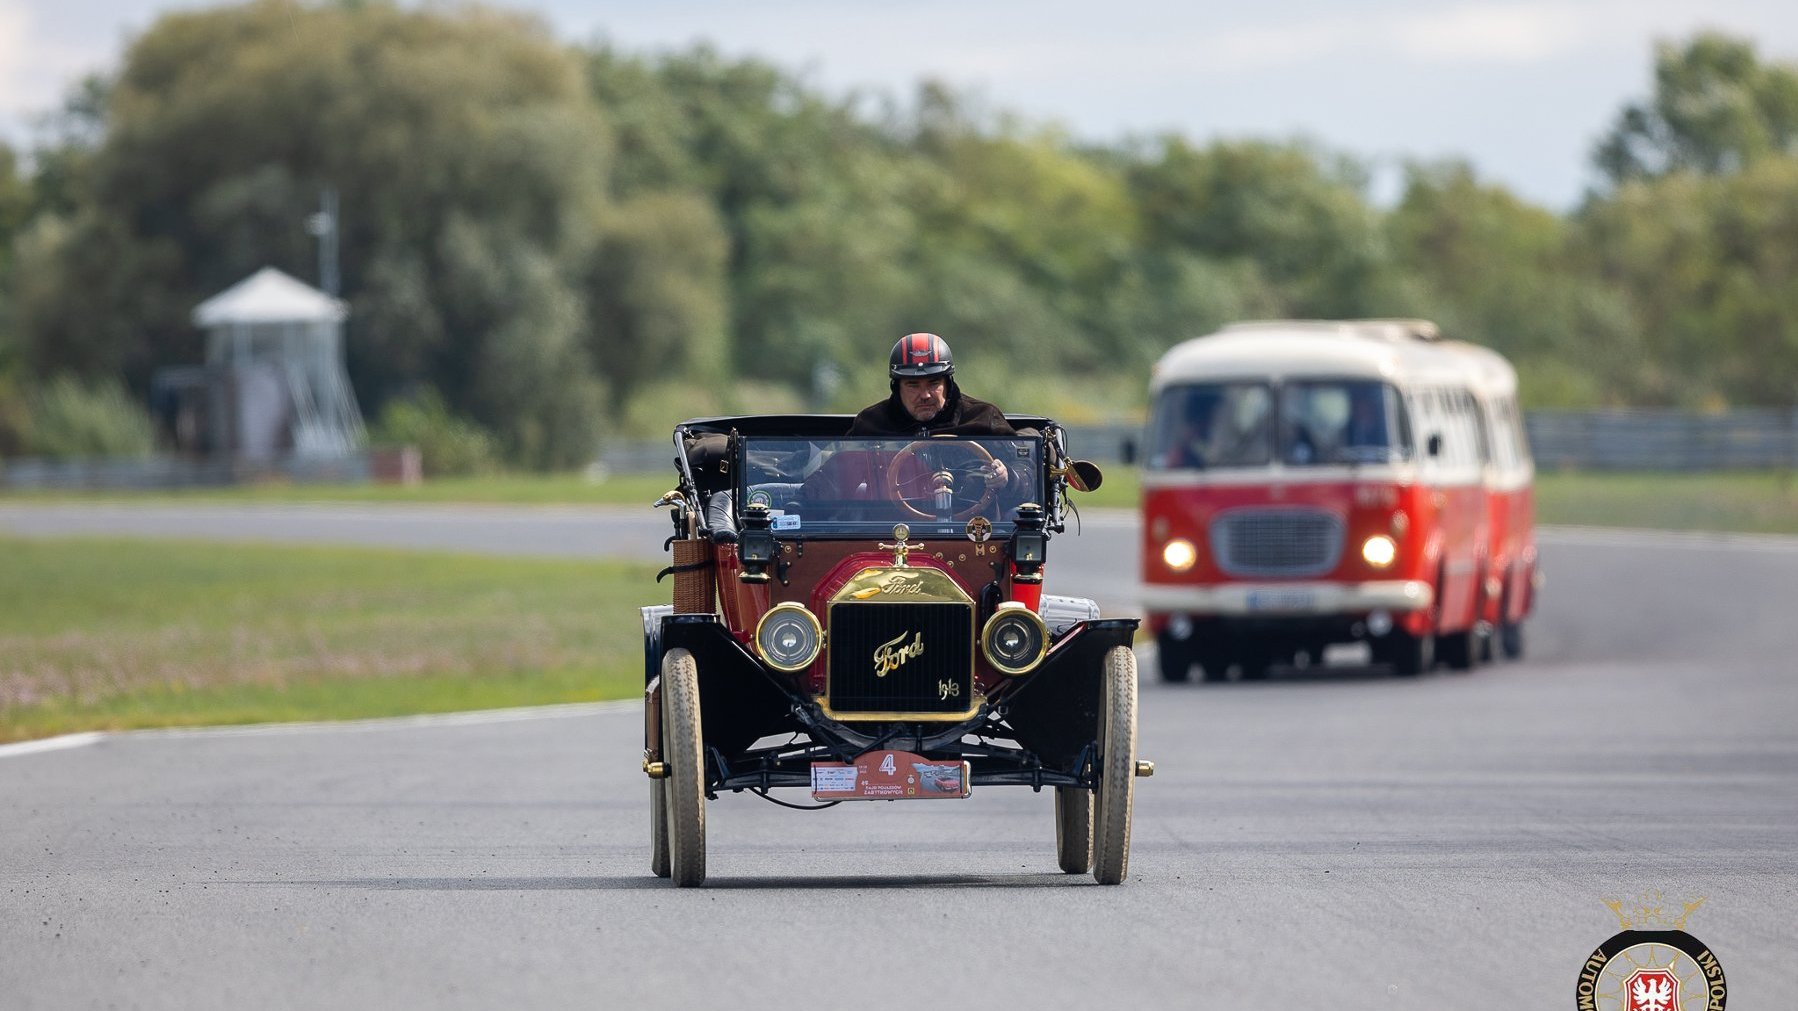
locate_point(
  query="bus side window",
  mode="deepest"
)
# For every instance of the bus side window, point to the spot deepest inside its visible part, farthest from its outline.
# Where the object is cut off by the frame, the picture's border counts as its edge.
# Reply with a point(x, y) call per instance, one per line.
point(1398, 407)
point(1482, 434)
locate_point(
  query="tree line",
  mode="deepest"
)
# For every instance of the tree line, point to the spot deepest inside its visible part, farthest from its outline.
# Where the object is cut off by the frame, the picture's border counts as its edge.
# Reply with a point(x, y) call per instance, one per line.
point(543, 244)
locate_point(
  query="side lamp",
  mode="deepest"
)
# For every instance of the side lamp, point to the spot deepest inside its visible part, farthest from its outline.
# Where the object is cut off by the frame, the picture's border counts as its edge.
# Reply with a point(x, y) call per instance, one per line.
point(755, 545)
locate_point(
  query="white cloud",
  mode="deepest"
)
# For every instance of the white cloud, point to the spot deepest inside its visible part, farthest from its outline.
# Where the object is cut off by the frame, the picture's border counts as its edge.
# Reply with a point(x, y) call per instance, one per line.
point(1482, 33)
point(36, 68)
point(15, 28)
point(1521, 33)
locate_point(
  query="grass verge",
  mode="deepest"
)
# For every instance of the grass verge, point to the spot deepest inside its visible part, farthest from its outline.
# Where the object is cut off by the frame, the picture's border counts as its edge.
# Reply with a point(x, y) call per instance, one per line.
point(496, 489)
point(116, 634)
point(1757, 502)
point(1734, 502)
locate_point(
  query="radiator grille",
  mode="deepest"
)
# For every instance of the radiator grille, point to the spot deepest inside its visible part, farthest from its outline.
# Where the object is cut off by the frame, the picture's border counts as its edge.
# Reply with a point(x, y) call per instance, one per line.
point(929, 649)
point(1276, 542)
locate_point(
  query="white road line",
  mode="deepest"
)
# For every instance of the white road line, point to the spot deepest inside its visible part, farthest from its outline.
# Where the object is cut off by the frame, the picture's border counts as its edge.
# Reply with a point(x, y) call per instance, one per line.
point(473, 718)
point(1631, 537)
point(49, 744)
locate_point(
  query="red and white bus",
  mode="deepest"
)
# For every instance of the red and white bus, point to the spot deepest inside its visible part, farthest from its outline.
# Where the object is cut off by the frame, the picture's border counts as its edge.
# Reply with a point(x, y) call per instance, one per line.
point(1307, 483)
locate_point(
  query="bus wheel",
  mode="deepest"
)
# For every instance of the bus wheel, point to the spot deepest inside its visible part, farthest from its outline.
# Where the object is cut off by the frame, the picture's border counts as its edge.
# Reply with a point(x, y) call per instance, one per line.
point(1214, 662)
point(1458, 649)
point(1411, 655)
point(1174, 657)
point(1255, 664)
point(1510, 639)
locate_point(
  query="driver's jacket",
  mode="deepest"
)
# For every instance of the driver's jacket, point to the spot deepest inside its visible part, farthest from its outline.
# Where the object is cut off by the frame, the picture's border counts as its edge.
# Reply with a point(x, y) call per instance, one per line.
point(962, 415)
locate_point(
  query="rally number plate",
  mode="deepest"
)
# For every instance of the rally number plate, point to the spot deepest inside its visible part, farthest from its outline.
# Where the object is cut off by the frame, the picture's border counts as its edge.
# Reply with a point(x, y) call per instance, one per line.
point(889, 775)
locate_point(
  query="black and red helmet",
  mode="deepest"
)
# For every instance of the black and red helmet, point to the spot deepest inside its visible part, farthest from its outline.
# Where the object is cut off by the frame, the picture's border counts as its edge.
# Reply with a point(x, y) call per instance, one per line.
point(919, 355)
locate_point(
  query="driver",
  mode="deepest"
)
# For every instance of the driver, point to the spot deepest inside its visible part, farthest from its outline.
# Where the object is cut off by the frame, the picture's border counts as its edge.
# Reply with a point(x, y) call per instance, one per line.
point(925, 400)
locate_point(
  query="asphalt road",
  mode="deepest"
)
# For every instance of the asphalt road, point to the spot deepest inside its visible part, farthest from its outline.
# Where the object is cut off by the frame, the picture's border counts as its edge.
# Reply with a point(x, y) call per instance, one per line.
point(1333, 838)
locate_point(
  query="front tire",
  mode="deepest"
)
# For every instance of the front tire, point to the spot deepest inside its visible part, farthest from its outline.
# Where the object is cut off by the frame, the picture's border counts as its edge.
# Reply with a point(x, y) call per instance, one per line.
point(1113, 800)
point(683, 754)
point(1073, 829)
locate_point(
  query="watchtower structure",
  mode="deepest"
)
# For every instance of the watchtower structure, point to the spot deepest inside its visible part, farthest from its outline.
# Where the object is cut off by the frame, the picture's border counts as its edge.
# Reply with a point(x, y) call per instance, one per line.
point(278, 344)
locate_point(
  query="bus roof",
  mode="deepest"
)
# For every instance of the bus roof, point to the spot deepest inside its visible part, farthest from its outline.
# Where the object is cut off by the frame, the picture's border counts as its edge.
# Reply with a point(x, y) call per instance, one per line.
point(1396, 350)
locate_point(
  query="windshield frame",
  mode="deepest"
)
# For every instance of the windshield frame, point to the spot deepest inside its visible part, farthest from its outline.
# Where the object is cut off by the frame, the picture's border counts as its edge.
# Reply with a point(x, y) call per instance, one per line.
point(767, 466)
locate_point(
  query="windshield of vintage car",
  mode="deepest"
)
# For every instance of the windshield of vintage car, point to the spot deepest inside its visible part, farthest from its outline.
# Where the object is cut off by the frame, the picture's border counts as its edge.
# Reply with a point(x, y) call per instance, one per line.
point(863, 486)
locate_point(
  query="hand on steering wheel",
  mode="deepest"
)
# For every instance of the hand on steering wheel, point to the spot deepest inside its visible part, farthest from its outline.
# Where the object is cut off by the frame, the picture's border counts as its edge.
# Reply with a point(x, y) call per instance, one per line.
point(940, 481)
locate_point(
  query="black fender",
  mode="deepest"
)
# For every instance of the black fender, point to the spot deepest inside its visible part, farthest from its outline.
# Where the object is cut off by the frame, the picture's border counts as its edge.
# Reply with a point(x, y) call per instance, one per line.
point(739, 700)
point(1054, 710)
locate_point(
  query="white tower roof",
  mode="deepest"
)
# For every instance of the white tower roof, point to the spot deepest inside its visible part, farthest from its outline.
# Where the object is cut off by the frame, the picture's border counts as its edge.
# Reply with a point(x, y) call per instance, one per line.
point(269, 296)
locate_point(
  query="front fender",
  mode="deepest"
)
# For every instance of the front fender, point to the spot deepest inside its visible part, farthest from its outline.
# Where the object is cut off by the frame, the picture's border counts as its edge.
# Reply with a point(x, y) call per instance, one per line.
point(1054, 710)
point(739, 700)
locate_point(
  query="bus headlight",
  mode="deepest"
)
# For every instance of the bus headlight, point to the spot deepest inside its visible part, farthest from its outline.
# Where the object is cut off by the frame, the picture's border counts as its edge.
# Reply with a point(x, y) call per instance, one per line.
point(1014, 639)
point(788, 637)
point(1179, 554)
point(1379, 550)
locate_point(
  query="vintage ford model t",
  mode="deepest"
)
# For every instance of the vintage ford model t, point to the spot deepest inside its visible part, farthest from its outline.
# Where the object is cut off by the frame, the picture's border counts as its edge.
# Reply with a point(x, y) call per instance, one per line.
point(863, 618)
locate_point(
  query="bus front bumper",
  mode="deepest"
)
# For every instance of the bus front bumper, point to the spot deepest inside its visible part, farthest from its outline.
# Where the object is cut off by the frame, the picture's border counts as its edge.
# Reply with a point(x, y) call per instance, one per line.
point(1276, 599)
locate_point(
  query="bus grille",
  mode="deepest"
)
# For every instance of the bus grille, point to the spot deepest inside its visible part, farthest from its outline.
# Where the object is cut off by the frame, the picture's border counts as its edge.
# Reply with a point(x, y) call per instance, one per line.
point(928, 654)
point(1276, 542)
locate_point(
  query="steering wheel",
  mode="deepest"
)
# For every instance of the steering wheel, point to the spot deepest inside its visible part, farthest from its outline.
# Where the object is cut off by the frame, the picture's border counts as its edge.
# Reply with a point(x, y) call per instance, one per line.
point(941, 479)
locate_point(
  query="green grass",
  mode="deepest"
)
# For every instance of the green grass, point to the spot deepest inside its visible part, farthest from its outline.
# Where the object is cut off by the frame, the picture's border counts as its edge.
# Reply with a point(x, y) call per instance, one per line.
point(116, 634)
point(497, 489)
point(1756, 502)
point(1734, 502)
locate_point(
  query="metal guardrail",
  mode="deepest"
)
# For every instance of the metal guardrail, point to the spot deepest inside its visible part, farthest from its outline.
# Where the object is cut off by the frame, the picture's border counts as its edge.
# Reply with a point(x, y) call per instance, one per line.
point(1620, 440)
point(1659, 439)
point(167, 472)
point(1624, 439)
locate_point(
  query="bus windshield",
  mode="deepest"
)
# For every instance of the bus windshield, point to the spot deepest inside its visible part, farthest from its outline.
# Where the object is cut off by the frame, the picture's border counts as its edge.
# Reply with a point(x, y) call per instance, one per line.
point(1200, 426)
point(1342, 421)
point(1207, 425)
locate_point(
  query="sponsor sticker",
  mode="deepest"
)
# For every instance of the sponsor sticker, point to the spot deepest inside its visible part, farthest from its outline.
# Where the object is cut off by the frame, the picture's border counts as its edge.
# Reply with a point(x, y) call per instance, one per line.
point(890, 775)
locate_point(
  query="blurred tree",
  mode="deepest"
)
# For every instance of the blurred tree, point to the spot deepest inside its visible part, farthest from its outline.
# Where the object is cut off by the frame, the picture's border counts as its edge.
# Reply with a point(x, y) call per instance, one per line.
point(656, 288)
point(1023, 241)
point(1708, 263)
point(1716, 108)
point(1497, 271)
point(1299, 216)
point(472, 166)
point(814, 205)
point(15, 206)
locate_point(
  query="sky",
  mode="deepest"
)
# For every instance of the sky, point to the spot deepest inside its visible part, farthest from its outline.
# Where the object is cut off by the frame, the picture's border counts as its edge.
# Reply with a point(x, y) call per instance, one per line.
point(1521, 89)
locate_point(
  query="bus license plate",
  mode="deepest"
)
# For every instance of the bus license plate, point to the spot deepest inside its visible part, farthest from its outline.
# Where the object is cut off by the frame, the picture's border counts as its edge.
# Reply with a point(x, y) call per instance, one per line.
point(1282, 600)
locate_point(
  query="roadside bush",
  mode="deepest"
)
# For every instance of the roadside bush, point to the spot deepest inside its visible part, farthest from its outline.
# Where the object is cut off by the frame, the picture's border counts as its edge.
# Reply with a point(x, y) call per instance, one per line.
point(70, 419)
point(447, 444)
point(15, 418)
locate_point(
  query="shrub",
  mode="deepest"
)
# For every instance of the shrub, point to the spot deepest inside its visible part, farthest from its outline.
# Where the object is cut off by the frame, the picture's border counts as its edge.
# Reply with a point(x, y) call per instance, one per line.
point(70, 419)
point(447, 444)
